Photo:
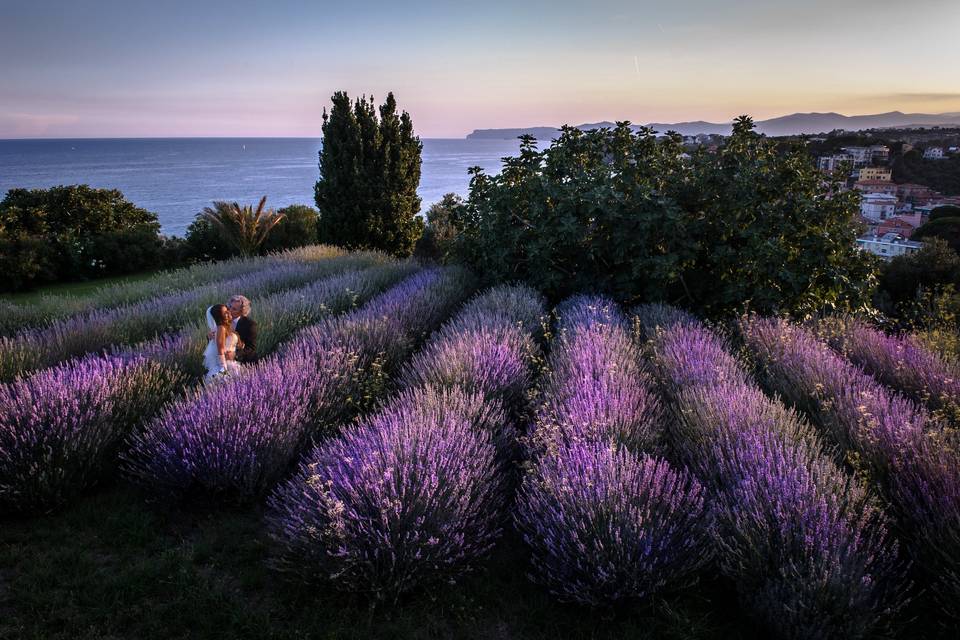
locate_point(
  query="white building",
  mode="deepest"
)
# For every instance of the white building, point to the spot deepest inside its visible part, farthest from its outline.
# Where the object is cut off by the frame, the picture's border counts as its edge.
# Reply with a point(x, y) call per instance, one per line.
point(933, 153)
point(865, 156)
point(829, 164)
point(888, 246)
point(878, 206)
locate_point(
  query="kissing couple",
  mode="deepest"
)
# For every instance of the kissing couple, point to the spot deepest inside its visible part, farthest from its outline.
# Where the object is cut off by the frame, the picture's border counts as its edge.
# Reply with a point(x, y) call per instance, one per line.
point(232, 337)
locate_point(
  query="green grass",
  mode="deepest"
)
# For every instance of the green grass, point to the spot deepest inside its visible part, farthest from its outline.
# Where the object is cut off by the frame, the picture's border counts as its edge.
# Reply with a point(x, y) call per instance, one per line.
point(115, 566)
point(74, 289)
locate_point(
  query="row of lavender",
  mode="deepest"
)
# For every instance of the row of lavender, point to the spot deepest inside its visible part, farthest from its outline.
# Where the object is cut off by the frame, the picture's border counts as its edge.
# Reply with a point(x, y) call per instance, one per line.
point(60, 428)
point(807, 544)
point(911, 456)
point(606, 518)
point(50, 307)
point(32, 349)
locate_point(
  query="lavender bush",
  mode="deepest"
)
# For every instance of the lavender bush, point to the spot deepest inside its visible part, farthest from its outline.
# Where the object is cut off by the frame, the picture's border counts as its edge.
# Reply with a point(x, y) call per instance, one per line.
point(410, 495)
point(605, 522)
point(60, 427)
point(808, 546)
point(595, 388)
point(911, 456)
point(488, 347)
point(901, 362)
point(605, 525)
point(655, 315)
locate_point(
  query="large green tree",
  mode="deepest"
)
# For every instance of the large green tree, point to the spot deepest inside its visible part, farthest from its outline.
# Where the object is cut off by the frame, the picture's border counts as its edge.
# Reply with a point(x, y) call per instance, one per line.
point(75, 232)
point(626, 213)
point(369, 174)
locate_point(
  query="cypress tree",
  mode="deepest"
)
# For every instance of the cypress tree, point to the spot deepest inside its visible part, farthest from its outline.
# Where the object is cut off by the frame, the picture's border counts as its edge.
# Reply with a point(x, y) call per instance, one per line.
point(369, 173)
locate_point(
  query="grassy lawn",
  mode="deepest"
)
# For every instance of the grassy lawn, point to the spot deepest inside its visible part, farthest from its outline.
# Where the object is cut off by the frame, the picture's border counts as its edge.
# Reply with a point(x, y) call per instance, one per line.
point(75, 289)
point(115, 566)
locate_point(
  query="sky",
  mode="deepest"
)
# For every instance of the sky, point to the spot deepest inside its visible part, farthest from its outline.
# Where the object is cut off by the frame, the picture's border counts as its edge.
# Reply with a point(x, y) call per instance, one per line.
point(133, 68)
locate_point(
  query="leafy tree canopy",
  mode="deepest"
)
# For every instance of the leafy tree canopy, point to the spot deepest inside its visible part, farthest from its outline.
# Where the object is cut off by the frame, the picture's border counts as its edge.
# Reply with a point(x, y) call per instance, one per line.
point(79, 210)
point(630, 215)
point(369, 174)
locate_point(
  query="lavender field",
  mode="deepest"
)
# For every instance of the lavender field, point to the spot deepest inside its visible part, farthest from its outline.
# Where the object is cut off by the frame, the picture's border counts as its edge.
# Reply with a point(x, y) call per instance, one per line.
point(416, 456)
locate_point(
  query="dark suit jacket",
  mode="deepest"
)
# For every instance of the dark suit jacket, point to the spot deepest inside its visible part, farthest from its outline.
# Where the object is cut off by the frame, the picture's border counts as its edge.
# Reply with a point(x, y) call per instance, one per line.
point(247, 330)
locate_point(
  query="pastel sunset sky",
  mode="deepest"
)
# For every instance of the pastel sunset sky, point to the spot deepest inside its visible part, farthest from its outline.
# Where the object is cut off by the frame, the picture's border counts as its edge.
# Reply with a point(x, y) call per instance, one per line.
point(133, 68)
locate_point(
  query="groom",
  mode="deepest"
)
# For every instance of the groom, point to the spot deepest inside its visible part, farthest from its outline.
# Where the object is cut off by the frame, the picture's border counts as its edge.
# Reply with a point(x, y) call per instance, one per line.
point(245, 327)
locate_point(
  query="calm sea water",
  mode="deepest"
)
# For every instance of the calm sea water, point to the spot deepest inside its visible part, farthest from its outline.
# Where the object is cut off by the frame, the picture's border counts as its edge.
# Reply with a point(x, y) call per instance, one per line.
point(177, 178)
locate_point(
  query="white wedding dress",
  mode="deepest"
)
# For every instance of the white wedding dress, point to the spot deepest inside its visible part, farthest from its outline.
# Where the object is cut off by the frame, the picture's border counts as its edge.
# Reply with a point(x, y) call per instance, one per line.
point(211, 357)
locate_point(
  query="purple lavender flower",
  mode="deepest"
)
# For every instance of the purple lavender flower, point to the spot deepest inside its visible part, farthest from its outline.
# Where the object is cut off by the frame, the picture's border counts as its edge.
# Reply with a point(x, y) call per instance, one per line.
point(856, 411)
point(48, 308)
point(688, 354)
point(487, 347)
point(410, 495)
point(657, 316)
point(807, 545)
point(912, 457)
point(61, 426)
point(595, 388)
point(605, 525)
point(901, 362)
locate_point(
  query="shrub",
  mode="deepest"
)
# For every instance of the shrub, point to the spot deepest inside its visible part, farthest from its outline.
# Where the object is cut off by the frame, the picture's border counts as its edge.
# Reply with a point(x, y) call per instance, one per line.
point(26, 261)
point(441, 231)
point(908, 454)
point(623, 213)
point(410, 495)
point(901, 362)
point(76, 232)
point(945, 211)
point(297, 228)
point(60, 427)
point(486, 348)
point(595, 388)
point(205, 242)
point(604, 525)
point(945, 228)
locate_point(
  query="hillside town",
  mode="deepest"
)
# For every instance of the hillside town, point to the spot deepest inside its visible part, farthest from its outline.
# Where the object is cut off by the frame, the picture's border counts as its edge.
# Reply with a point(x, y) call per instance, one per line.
point(891, 211)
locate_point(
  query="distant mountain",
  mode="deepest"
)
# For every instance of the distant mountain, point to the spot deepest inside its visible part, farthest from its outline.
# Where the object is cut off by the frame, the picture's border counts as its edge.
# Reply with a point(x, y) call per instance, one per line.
point(796, 123)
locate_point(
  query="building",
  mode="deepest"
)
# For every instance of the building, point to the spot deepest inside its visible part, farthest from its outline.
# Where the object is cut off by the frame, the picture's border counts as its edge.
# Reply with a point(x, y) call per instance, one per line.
point(915, 193)
point(876, 186)
point(888, 246)
point(829, 164)
point(866, 156)
point(900, 225)
point(876, 174)
point(934, 153)
point(878, 206)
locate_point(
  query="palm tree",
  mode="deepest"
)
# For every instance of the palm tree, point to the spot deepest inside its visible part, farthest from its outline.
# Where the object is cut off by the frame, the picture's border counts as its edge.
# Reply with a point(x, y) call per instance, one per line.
point(244, 227)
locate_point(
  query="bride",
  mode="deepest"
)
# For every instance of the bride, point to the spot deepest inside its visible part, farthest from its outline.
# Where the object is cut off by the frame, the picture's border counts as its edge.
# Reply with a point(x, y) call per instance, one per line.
point(219, 355)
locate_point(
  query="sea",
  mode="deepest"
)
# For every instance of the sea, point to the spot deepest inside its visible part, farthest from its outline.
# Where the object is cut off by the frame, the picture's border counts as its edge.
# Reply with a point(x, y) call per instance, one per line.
point(177, 177)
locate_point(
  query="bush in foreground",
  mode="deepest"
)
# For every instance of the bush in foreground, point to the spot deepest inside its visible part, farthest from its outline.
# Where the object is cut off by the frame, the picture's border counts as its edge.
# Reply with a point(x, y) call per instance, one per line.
point(60, 427)
point(604, 525)
point(411, 494)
